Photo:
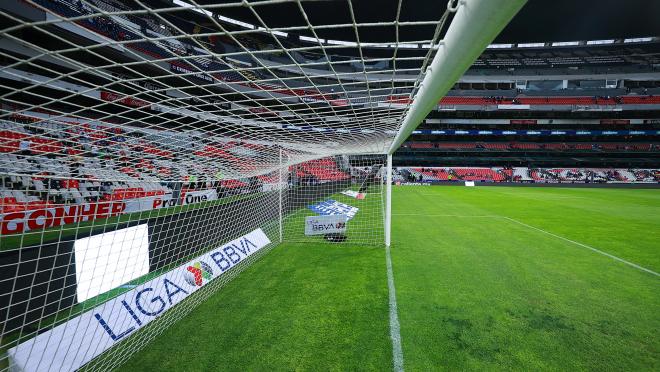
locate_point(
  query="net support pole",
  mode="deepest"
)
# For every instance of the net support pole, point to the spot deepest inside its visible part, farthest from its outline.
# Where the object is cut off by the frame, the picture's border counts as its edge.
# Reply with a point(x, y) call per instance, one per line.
point(388, 201)
point(474, 27)
point(281, 191)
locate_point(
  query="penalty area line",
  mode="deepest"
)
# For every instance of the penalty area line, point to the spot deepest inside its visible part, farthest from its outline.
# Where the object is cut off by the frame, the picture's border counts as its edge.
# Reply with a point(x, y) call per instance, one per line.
point(583, 246)
point(631, 264)
point(443, 215)
point(395, 328)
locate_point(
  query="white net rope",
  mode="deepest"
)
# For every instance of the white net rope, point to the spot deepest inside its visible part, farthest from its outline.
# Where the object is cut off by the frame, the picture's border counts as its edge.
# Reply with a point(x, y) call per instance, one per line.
point(176, 87)
point(150, 151)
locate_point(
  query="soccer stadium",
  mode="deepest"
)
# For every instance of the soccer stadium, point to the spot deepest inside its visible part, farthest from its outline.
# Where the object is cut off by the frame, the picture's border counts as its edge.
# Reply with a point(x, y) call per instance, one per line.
point(344, 185)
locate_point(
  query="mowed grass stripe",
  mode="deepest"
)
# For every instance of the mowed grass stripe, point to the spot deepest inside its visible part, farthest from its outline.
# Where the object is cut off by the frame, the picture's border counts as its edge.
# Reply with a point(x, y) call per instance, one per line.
point(301, 307)
point(472, 293)
point(585, 246)
point(309, 305)
point(481, 293)
point(621, 222)
point(596, 250)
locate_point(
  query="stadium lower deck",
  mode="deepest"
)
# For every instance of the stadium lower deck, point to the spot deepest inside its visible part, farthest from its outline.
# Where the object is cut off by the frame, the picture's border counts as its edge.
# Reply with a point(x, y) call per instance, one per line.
point(486, 279)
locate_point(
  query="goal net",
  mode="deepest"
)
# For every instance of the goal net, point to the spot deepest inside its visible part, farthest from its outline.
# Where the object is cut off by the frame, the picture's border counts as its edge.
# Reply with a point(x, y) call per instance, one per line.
point(152, 150)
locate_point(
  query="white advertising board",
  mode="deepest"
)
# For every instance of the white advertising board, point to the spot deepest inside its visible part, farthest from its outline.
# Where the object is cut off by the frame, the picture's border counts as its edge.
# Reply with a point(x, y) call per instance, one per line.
point(320, 225)
point(106, 261)
point(71, 345)
point(353, 194)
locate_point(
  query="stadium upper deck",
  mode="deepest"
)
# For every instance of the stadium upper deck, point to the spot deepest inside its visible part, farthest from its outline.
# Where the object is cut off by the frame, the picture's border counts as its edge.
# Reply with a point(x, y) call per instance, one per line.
point(252, 63)
point(244, 78)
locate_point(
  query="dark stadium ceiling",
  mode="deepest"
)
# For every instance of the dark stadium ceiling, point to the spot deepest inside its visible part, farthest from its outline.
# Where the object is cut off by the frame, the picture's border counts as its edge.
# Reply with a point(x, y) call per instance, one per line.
point(539, 20)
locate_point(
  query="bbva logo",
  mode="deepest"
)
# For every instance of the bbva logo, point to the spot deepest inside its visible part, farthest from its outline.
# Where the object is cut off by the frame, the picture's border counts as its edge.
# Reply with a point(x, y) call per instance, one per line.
point(197, 273)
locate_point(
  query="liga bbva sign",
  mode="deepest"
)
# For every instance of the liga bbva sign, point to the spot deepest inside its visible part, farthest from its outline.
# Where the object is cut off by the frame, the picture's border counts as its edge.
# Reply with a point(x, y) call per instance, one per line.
point(320, 225)
point(71, 345)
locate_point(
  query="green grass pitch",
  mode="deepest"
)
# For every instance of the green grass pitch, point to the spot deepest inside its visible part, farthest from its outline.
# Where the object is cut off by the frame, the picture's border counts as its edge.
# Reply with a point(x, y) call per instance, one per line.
point(475, 291)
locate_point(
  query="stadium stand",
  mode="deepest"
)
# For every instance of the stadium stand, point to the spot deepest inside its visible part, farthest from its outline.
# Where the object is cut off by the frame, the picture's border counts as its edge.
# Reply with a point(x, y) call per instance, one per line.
point(513, 146)
point(72, 163)
point(541, 101)
point(111, 108)
point(124, 109)
point(186, 57)
point(526, 175)
point(54, 148)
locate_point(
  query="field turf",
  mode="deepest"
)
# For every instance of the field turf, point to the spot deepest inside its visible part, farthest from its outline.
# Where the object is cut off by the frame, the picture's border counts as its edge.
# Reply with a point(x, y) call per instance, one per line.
point(487, 278)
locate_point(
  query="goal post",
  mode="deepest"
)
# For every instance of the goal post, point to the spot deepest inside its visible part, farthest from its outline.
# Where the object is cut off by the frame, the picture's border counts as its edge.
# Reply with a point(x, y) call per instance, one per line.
point(145, 161)
point(474, 26)
point(388, 198)
point(281, 188)
point(348, 187)
point(104, 286)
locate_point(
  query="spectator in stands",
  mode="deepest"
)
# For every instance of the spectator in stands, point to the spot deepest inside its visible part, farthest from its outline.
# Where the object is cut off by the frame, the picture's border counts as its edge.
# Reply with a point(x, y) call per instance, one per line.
point(24, 147)
point(75, 165)
point(53, 184)
point(143, 26)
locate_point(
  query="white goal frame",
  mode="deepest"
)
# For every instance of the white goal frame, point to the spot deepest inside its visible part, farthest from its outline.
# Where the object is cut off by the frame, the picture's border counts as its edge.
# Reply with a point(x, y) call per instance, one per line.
point(228, 107)
point(475, 25)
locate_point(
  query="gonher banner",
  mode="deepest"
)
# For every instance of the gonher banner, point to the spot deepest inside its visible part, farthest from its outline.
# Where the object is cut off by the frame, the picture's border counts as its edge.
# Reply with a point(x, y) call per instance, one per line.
point(332, 207)
point(69, 346)
point(320, 225)
point(22, 221)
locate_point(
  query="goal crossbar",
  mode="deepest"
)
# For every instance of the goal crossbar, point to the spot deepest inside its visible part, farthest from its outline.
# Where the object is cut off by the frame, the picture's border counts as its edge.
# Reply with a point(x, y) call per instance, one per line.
point(475, 25)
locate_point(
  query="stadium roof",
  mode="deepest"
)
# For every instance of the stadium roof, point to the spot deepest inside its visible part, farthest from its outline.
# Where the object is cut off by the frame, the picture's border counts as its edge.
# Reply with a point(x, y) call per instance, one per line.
point(539, 20)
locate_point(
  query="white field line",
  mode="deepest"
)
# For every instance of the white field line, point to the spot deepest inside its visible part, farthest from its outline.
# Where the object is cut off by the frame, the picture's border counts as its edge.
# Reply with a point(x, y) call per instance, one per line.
point(545, 197)
point(395, 329)
point(584, 246)
point(638, 267)
point(443, 215)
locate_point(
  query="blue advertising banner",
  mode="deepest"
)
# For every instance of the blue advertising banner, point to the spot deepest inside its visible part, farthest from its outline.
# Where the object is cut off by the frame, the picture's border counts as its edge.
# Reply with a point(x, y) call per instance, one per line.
point(452, 132)
point(332, 207)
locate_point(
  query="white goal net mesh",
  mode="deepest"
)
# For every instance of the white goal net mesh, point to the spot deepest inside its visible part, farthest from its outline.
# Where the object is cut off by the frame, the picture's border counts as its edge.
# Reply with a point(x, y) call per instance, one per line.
point(150, 150)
